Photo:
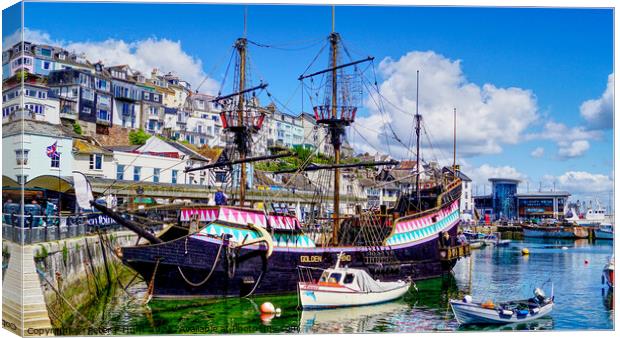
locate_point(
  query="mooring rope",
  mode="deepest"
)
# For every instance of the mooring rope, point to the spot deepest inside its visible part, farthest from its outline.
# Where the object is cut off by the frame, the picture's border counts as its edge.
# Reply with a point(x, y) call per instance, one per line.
point(217, 258)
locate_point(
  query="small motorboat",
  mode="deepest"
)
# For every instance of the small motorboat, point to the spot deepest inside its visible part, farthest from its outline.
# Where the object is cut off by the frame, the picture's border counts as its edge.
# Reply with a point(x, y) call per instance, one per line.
point(608, 272)
point(604, 231)
point(496, 239)
point(345, 287)
point(468, 312)
point(476, 244)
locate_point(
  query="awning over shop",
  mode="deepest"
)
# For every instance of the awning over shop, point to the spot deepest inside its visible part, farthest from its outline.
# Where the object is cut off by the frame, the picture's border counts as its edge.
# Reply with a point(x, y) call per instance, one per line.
point(53, 183)
point(8, 182)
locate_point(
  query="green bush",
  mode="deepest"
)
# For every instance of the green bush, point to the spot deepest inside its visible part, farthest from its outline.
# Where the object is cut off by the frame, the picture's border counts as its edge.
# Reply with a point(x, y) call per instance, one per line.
point(138, 137)
point(77, 128)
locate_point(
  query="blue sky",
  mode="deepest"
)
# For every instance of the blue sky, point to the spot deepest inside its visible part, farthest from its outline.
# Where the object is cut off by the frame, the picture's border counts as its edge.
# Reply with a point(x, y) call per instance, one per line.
point(562, 57)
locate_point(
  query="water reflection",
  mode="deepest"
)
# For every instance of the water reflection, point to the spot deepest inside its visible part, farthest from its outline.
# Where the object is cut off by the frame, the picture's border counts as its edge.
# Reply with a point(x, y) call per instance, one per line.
point(498, 274)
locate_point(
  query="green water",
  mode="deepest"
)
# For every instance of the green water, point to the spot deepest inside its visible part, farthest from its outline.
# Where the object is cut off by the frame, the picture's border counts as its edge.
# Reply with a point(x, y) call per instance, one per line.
point(491, 273)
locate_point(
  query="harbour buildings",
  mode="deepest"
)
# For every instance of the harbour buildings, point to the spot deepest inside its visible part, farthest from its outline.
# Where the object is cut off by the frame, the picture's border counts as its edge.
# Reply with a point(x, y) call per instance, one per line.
point(505, 203)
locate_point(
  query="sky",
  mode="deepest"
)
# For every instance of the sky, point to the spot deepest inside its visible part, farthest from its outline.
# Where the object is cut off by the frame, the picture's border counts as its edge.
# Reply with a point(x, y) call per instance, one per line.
point(533, 87)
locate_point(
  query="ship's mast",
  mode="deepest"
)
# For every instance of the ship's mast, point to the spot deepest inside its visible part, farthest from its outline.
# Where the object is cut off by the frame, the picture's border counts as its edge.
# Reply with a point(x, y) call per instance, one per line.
point(335, 134)
point(418, 118)
point(241, 46)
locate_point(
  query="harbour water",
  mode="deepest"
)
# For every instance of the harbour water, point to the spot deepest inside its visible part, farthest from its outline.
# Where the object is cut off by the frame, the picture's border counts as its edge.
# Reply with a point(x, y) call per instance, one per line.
point(574, 267)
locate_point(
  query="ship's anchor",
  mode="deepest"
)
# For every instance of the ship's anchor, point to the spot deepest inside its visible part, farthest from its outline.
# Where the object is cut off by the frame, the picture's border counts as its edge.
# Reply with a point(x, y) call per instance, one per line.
point(265, 237)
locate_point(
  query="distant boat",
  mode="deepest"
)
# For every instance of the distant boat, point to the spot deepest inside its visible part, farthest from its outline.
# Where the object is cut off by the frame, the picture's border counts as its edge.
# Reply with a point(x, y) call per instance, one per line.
point(554, 231)
point(604, 231)
point(608, 272)
point(346, 287)
point(468, 312)
point(592, 217)
point(476, 244)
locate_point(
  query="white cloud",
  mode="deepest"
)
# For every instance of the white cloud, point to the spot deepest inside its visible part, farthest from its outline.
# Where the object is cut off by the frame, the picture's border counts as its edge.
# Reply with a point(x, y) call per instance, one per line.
point(585, 185)
point(573, 149)
point(31, 35)
point(143, 55)
point(538, 152)
point(599, 112)
point(571, 141)
point(487, 116)
point(480, 175)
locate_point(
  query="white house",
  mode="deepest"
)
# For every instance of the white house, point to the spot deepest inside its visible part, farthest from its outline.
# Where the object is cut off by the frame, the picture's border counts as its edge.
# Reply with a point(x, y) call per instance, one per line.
point(158, 161)
point(467, 200)
point(92, 159)
point(37, 104)
point(24, 150)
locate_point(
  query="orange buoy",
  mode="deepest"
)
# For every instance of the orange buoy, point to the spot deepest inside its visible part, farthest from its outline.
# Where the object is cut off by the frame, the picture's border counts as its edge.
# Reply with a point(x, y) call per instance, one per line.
point(266, 317)
point(268, 308)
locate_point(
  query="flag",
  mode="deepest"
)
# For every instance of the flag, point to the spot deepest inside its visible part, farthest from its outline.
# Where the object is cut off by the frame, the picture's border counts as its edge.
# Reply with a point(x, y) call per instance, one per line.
point(52, 151)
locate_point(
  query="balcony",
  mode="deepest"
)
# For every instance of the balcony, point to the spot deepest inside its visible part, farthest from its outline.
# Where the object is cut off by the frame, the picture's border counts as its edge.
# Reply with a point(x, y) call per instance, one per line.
point(68, 110)
point(103, 118)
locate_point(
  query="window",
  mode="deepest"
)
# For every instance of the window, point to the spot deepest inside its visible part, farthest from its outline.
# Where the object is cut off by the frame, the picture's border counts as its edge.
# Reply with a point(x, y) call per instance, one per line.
point(334, 277)
point(88, 94)
point(136, 173)
point(55, 161)
point(22, 156)
point(220, 177)
point(95, 161)
point(42, 95)
point(175, 173)
point(348, 278)
point(120, 171)
point(46, 65)
point(22, 179)
point(156, 172)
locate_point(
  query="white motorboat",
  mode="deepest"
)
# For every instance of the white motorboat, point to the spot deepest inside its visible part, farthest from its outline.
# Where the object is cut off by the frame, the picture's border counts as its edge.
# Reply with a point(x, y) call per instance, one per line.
point(592, 217)
point(345, 287)
point(468, 312)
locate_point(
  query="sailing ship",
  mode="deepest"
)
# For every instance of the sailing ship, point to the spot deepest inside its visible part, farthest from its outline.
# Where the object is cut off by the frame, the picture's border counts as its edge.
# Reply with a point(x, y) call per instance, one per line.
point(238, 250)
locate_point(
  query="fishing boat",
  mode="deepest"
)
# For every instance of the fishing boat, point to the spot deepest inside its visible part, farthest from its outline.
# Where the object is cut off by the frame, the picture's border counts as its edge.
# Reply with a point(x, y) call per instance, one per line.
point(604, 231)
point(554, 231)
point(468, 312)
point(608, 272)
point(346, 287)
point(241, 249)
point(476, 244)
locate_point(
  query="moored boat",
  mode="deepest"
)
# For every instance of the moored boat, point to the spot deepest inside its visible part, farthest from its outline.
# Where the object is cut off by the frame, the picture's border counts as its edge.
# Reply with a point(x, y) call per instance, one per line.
point(608, 272)
point(554, 231)
point(604, 231)
point(346, 287)
point(468, 312)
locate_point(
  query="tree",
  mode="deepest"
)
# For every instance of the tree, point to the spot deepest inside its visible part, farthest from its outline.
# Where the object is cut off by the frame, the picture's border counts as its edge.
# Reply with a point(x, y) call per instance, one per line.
point(138, 137)
point(77, 128)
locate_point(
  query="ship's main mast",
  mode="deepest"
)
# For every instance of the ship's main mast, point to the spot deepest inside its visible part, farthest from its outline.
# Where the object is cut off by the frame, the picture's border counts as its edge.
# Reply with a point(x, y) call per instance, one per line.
point(241, 46)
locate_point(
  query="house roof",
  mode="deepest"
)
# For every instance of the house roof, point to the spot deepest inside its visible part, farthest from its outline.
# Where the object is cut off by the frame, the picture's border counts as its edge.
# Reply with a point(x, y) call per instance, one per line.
point(34, 127)
point(187, 149)
point(125, 148)
point(86, 147)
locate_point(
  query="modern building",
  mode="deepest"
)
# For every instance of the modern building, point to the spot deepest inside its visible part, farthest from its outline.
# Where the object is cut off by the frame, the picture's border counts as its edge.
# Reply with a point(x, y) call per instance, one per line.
point(505, 203)
point(126, 97)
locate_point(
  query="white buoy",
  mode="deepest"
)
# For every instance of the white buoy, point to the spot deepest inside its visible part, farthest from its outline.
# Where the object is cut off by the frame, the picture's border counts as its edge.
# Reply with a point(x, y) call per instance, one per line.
point(564, 248)
point(278, 312)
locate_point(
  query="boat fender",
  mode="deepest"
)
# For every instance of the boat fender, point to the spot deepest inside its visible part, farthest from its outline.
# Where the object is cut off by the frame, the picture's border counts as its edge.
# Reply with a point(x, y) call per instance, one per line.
point(522, 313)
point(525, 251)
point(506, 312)
point(467, 299)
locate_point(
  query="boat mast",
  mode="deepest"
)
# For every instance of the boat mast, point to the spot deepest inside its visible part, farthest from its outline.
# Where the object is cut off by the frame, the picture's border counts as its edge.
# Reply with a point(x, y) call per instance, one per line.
point(454, 145)
point(418, 117)
point(241, 48)
point(335, 134)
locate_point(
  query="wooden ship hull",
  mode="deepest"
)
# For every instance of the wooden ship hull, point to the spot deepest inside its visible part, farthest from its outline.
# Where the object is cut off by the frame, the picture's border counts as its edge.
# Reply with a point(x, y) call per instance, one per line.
point(207, 264)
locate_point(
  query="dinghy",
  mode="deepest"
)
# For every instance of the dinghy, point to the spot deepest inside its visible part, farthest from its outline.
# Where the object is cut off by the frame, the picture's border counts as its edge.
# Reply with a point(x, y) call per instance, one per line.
point(346, 287)
point(468, 312)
